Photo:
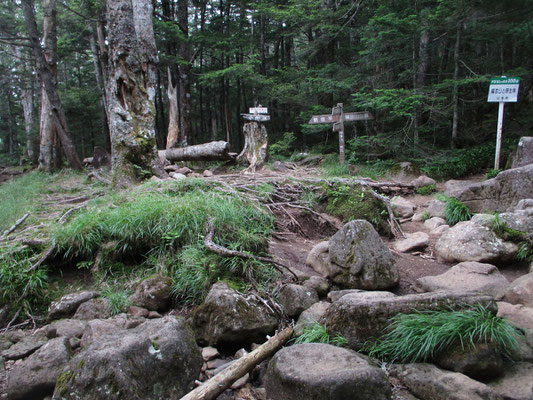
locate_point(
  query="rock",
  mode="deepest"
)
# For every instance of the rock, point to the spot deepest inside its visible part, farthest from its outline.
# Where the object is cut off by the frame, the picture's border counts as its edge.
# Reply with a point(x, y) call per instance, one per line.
point(279, 166)
point(516, 383)
point(101, 158)
point(468, 276)
point(209, 353)
point(524, 152)
point(316, 371)
point(434, 223)
point(321, 285)
point(154, 314)
point(431, 383)
point(422, 181)
point(318, 259)
point(524, 204)
point(337, 294)
point(24, 347)
point(207, 173)
point(93, 309)
point(519, 316)
point(178, 169)
point(360, 258)
point(310, 316)
point(101, 327)
point(227, 317)
point(177, 176)
point(153, 293)
point(138, 311)
point(402, 208)
point(519, 220)
point(521, 291)
point(296, 298)
point(437, 232)
point(157, 360)
point(412, 241)
point(470, 241)
point(481, 362)
point(69, 328)
point(498, 194)
point(67, 305)
point(437, 208)
point(362, 316)
point(239, 383)
point(35, 376)
point(419, 216)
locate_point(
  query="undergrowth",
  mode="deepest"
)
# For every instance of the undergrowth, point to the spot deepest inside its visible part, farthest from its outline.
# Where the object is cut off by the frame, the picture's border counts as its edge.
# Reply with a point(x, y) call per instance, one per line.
point(454, 211)
point(332, 167)
point(522, 239)
point(426, 190)
point(422, 335)
point(318, 333)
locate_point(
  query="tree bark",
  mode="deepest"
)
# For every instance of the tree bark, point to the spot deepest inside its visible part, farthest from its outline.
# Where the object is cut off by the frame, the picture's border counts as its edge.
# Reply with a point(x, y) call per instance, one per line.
point(48, 80)
point(212, 151)
point(130, 91)
point(455, 95)
point(173, 116)
point(98, 73)
point(255, 145)
point(184, 75)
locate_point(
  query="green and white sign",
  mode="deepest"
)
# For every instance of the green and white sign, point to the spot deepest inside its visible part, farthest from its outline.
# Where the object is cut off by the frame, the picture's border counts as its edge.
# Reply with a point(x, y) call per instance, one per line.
point(503, 90)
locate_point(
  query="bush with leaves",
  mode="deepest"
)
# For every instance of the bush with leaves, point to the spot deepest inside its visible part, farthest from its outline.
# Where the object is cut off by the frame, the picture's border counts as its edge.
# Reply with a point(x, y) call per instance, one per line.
point(422, 335)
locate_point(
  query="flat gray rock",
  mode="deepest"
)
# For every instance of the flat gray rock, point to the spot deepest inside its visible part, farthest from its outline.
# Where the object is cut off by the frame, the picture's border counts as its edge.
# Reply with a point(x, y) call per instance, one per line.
point(412, 241)
point(516, 383)
point(67, 305)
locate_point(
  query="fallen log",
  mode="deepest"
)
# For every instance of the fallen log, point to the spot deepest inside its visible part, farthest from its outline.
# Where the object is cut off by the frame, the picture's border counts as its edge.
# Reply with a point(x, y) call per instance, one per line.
point(212, 151)
point(209, 390)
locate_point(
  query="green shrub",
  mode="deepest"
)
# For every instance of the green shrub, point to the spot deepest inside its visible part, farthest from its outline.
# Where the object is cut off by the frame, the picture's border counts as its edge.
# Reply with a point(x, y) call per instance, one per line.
point(426, 190)
point(425, 216)
point(318, 333)
point(331, 167)
point(422, 335)
point(283, 148)
point(376, 169)
point(492, 173)
point(350, 203)
point(522, 239)
point(455, 211)
point(117, 300)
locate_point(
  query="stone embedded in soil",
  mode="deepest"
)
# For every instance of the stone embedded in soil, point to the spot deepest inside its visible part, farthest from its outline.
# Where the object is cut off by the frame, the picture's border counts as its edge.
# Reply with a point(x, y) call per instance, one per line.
point(316, 371)
point(402, 207)
point(26, 346)
point(310, 316)
point(321, 285)
point(438, 231)
point(296, 298)
point(422, 181)
point(67, 305)
point(437, 208)
point(521, 291)
point(93, 309)
point(434, 223)
point(516, 383)
point(519, 316)
point(412, 241)
point(153, 293)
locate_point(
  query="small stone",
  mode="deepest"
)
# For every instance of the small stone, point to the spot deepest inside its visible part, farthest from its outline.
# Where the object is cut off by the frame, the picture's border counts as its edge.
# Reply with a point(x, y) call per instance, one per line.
point(240, 353)
point(154, 314)
point(138, 311)
point(412, 241)
point(434, 222)
point(209, 353)
point(419, 216)
point(177, 176)
point(422, 181)
point(207, 173)
point(437, 208)
point(402, 207)
point(216, 363)
point(239, 383)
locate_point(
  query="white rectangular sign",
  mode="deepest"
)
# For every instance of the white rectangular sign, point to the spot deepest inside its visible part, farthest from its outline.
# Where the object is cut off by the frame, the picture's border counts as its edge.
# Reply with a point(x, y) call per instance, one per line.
point(258, 110)
point(503, 90)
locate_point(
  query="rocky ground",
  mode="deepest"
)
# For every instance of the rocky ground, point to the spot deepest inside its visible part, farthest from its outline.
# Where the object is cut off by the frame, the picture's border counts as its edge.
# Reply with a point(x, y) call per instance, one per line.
point(466, 264)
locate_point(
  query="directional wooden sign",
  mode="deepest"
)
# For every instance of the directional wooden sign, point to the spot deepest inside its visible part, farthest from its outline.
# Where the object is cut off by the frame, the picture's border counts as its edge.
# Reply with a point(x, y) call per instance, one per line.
point(258, 113)
point(258, 110)
point(337, 118)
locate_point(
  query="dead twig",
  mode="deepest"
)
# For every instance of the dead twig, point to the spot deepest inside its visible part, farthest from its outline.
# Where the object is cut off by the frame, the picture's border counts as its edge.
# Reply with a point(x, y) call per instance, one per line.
point(43, 258)
point(224, 252)
point(64, 217)
point(16, 225)
point(395, 227)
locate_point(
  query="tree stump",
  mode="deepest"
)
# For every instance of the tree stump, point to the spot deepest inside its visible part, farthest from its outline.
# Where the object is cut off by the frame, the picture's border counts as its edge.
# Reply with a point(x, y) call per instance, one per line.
point(255, 146)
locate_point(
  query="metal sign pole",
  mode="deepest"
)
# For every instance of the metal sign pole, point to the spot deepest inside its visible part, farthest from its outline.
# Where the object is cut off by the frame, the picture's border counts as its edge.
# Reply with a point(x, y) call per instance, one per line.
point(499, 135)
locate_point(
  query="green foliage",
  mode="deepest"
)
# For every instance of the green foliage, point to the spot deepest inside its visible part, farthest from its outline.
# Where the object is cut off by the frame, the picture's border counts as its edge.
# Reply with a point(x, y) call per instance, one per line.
point(426, 190)
point(425, 216)
point(492, 173)
point(164, 228)
point(117, 300)
point(376, 169)
point(331, 167)
point(350, 203)
point(455, 211)
point(318, 333)
point(283, 148)
point(522, 239)
point(422, 335)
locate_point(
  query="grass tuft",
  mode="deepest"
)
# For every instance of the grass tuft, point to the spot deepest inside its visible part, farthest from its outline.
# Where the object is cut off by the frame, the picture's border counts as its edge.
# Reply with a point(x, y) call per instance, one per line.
point(117, 300)
point(426, 190)
point(318, 333)
point(455, 211)
point(422, 335)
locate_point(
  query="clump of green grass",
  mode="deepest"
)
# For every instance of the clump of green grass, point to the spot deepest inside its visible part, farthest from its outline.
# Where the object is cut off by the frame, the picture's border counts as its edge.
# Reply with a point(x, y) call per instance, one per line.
point(117, 300)
point(424, 334)
point(318, 333)
point(455, 211)
point(425, 216)
point(332, 167)
point(492, 173)
point(524, 241)
point(426, 190)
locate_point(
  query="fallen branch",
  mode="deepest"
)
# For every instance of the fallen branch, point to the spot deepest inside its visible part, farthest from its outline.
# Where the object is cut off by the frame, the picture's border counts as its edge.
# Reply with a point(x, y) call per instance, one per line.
point(43, 258)
point(64, 217)
point(395, 227)
point(209, 390)
point(224, 252)
point(16, 225)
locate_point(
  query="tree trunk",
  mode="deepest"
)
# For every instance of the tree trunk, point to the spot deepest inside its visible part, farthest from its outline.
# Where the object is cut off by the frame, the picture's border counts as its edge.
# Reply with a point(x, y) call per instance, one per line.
point(98, 73)
point(48, 80)
point(255, 145)
point(130, 90)
point(455, 96)
point(184, 75)
point(173, 116)
point(212, 151)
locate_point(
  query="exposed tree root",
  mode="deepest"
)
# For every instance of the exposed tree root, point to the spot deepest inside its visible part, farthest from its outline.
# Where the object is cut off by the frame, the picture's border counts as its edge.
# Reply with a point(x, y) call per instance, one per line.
point(16, 225)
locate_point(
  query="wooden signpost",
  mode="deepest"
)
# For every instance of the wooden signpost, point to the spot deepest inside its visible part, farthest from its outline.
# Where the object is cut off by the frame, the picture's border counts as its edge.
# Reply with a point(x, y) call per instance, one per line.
point(337, 118)
point(255, 138)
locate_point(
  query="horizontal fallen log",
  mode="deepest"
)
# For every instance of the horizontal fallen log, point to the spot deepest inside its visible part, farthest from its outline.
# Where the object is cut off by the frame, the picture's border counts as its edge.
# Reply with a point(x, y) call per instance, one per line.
point(212, 151)
point(16, 225)
point(209, 390)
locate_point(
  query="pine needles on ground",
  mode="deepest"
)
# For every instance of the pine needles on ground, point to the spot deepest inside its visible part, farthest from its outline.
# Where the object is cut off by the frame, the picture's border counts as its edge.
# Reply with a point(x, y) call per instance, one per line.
point(422, 335)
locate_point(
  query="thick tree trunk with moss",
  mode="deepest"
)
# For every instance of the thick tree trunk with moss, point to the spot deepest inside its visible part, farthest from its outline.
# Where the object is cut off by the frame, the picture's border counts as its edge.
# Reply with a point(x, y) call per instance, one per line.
point(130, 91)
point(255, 145)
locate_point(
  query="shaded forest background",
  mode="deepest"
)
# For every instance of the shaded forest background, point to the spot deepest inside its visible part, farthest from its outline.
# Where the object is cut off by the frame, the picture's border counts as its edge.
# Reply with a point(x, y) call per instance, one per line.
point(421, 67)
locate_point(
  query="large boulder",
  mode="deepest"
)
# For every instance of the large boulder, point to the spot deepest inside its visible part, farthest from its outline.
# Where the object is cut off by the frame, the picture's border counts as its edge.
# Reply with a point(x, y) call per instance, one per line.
point(296, 298)
point(360, 259)
point(67, 305)
point(519, 220)
point(157, 360)
point(362, 316)
point(521, 291)
point(524, 152)
point(498, 194)
point(516, 383)
point(469, 276)
point(69, 328)
point(316, 371)
point(153, 293)
point(23, 346)
point(472, 241)
point(101, 327)
point(427, 382)
point(228, 317)
point(35, 376)
point(519, 316)
point(93, 309)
